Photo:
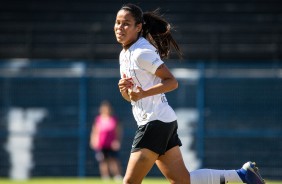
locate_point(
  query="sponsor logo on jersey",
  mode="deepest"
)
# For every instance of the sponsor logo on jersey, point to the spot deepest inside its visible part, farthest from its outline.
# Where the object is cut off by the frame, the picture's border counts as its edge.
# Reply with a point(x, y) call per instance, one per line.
point(155, 61)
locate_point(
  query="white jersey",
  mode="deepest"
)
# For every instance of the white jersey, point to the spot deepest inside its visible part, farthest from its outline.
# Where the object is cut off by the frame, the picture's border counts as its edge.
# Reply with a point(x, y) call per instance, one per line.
point(140, 62)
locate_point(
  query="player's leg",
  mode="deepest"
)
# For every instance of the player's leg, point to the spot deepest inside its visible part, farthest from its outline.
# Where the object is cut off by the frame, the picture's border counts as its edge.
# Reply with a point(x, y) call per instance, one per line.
point(172, 166)
point(139, 164)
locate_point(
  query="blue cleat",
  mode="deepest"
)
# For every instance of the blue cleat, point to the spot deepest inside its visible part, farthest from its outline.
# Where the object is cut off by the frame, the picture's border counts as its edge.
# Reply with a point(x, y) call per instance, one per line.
point(252, 173)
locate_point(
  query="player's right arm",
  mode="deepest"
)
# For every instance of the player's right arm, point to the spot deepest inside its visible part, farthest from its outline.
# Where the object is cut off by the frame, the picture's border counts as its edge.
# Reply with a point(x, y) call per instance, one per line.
point(124, 85)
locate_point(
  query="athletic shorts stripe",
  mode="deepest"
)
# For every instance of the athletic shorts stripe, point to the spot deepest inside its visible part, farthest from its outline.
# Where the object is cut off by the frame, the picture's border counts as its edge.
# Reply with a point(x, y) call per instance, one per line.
point(156, 136)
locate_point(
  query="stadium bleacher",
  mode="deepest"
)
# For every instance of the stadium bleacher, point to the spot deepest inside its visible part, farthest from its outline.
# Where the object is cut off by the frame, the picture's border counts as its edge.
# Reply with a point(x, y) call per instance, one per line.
point(206, 29)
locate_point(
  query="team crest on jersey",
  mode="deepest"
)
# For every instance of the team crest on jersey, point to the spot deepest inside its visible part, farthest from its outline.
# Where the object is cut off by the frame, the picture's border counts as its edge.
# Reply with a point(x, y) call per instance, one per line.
point(144, 116)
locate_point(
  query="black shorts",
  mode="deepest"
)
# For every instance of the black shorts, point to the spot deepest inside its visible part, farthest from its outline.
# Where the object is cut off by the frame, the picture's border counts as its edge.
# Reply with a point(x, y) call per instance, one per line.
point(156, 136)
point(103, 154)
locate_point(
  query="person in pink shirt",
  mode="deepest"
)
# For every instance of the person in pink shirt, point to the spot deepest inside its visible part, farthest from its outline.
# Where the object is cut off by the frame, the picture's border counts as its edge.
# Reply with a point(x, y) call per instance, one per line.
point(105, 141)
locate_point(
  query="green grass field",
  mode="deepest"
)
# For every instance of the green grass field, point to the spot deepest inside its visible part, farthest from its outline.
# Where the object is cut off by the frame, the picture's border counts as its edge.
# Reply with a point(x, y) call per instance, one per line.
point(77, 181)
point(90, 181)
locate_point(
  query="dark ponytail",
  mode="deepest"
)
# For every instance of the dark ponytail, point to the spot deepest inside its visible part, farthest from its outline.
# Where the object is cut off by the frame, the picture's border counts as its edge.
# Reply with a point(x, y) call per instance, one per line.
point(158, 32)
point(155, 29)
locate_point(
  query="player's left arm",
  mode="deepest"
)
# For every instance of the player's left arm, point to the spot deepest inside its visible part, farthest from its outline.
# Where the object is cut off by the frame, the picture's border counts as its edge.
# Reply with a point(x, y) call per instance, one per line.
point(168, 83)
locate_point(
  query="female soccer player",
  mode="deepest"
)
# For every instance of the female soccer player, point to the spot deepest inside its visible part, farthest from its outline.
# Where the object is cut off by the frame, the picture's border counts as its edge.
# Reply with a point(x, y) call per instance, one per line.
point(146, 40)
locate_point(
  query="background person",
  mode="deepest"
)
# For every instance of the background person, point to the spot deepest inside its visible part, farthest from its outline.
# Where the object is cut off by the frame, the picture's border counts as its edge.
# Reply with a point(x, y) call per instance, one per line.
point(106, 141)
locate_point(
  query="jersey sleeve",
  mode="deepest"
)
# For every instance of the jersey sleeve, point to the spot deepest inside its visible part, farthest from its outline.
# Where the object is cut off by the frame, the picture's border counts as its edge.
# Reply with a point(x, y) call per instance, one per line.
point(149, 60)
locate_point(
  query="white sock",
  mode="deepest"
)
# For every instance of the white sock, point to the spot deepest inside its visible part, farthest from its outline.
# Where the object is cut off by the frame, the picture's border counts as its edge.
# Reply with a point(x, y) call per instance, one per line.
point(211, 176)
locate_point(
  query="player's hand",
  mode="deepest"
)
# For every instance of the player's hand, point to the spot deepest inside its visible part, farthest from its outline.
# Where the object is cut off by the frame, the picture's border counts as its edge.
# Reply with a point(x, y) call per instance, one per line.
point(136, 94)
point(124, 84)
